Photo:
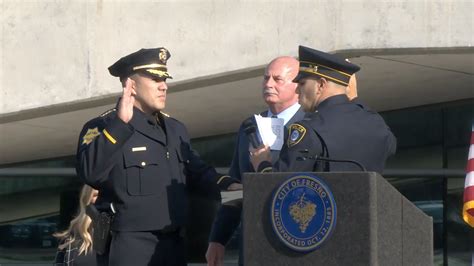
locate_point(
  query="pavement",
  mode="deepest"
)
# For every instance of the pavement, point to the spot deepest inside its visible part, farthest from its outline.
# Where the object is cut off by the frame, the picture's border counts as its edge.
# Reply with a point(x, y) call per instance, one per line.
point(45, 257)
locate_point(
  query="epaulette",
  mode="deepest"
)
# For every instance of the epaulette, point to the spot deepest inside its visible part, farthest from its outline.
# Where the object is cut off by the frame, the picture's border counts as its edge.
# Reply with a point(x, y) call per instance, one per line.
point(108, 112)
point(165, 114)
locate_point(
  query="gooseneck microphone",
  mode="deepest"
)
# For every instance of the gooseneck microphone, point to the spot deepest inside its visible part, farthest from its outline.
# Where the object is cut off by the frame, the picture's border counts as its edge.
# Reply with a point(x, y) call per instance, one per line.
point(251, 130)
point(326, 159)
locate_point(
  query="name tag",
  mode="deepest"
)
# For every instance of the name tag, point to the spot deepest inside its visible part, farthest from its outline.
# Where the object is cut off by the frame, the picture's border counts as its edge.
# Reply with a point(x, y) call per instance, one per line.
point(134, 149)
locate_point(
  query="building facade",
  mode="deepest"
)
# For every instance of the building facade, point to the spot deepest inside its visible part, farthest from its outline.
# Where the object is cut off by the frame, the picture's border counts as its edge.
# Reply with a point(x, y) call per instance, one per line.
point(417, 65)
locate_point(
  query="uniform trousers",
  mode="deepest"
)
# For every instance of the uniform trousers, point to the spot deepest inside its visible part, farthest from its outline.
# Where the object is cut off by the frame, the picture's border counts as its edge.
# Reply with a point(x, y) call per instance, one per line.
point(148, 248)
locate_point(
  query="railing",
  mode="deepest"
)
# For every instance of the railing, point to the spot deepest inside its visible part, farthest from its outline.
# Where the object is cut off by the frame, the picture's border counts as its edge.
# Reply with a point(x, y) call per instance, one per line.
point(70, 172)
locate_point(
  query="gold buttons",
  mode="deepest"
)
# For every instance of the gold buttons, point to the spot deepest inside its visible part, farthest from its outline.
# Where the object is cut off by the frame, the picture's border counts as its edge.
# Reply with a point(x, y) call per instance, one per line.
point(143, 163)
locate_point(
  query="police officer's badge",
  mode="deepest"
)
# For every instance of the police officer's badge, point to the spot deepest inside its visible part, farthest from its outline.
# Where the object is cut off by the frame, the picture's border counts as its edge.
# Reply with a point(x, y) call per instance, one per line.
point(163, 55)
point(314, 68)
point(303, 212)
point(90, 135)
point(297, 133)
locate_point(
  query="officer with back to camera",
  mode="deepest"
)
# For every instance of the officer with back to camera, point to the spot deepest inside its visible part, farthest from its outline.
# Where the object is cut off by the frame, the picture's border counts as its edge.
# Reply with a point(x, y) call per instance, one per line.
point(335, 128)
point(139, 157)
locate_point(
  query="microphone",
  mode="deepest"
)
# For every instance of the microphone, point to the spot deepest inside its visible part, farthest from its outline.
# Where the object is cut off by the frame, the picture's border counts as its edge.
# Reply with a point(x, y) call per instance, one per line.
point(326, 159)
point(251, 131)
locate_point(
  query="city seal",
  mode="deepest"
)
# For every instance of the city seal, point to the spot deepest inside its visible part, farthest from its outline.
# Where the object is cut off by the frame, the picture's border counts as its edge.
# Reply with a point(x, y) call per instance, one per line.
point(303, 212)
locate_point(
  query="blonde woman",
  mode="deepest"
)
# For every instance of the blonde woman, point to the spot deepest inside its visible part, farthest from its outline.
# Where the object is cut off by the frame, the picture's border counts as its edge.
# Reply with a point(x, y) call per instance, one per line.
point(75, 246)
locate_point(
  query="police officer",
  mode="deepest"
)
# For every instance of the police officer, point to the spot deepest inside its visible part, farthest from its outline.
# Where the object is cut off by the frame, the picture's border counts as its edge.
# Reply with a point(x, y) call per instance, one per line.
point(139, 157)
point(335, 128)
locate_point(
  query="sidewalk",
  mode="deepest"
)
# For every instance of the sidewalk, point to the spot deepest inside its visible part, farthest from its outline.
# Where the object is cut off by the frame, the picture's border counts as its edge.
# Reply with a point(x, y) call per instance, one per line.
point(231, 259)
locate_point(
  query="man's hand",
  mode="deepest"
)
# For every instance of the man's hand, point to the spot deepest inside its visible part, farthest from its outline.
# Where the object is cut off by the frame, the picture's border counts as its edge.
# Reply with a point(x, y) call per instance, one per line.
point(215, 254)
point(125, 106)
point(234, 187)
point(259, 155)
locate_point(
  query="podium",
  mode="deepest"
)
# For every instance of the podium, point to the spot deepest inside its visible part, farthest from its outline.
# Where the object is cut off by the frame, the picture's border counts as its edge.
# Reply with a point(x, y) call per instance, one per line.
point(374, 225)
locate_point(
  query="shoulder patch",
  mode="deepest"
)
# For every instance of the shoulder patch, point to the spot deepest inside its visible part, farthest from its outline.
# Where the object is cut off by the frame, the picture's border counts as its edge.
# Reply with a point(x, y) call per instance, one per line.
point(296, 134)
point(108, 112)
point(90, 135)
point(165, 114)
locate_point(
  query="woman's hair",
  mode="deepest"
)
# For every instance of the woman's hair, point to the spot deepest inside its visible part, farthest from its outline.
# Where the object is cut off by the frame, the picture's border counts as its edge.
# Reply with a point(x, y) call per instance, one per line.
point(80, 227)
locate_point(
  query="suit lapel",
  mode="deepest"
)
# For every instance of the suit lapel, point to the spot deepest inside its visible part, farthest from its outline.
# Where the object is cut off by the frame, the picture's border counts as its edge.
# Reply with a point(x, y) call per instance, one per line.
point(299, 115)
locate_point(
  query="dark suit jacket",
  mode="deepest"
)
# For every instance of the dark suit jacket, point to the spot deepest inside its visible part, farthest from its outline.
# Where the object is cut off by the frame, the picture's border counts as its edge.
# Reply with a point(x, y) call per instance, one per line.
point(228, 217)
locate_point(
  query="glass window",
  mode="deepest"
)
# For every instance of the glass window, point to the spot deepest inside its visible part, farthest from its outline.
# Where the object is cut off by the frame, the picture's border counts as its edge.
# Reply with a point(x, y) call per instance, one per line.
point(216, 150)
point(33, 208)
point(29, 240)
point(416, 127)
point(459, 121)
point(426, 157)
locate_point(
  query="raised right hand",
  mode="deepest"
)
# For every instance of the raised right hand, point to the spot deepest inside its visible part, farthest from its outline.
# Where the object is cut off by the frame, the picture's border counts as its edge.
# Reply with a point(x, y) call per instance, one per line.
point(215, 254)
point(125, 106)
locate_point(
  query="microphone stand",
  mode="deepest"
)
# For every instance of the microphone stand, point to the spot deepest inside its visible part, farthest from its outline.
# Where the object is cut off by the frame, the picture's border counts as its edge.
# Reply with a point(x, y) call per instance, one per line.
point(325, 159)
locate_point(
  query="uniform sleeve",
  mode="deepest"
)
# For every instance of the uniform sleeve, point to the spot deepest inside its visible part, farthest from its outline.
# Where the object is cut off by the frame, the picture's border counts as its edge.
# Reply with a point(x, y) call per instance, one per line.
point(99, 143)
point(299, 152)
point(238, 157)
point(225, 223)
point(228, 216)
point(197, 168)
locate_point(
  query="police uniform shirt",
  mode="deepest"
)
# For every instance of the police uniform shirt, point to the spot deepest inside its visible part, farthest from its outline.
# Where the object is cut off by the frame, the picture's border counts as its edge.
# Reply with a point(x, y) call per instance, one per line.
point(346, 129)
point(141, 167)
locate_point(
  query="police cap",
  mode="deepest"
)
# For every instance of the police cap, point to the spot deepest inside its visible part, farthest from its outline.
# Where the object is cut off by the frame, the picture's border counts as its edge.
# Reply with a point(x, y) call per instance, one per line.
point(151, 62)
point(314, 63)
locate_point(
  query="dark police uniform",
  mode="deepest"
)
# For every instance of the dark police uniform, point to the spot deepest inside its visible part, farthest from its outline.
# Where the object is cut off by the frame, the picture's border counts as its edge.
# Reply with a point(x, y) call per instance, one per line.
point(228, 217)
point(338, 129)
point(240, 160)
point(141, 167)
point(348, 132)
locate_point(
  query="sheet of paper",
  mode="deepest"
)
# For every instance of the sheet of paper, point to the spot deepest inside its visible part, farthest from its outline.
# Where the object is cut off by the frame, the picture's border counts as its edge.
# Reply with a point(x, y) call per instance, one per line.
point(228, 196)
point(271, 131)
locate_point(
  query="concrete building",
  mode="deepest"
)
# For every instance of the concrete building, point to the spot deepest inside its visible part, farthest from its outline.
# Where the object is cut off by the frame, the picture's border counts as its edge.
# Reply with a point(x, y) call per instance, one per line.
point(417, 65)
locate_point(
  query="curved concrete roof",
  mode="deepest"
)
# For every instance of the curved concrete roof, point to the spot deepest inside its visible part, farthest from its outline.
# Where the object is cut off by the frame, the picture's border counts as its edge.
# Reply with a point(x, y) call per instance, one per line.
point(390, 79)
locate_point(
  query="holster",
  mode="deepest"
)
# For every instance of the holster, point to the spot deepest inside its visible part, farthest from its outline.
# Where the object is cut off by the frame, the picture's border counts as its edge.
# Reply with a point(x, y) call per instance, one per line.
point(101, 223)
